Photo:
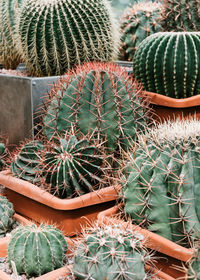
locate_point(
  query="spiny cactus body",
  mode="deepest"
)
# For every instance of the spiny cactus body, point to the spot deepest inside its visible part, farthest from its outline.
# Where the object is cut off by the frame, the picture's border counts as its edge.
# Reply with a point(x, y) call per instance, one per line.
point(169, 63)
point(98, 99)
point(137, 23)
point(180, 15)
point(37, 250)
point(2, 150)
point(110, 252)
point(6, 215)
point(56, 35)
point(162, 188)
point(9, 55)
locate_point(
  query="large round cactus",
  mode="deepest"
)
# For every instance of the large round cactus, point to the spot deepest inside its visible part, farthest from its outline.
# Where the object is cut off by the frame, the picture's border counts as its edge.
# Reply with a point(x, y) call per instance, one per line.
point(99, 99)
point(110, 252)
point(169, 63)
point(6, 215)
point(180, 15)
point(56, 35)
point(162, 190)
point(37, 250)
point(138, 22)
point(9, 55)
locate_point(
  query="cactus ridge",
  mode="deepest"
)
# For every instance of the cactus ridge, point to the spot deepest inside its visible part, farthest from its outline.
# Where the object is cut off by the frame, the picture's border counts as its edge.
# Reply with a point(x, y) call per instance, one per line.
point(168, 63)
point(138, 22)
point(37, 250)
point(162, 186)
point(66, 33)
point(6, 215)
point(99, 99)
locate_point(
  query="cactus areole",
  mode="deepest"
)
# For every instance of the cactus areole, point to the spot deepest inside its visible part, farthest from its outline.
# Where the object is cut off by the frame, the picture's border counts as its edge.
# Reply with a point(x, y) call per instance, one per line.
point(169, 63)
point(56, 35)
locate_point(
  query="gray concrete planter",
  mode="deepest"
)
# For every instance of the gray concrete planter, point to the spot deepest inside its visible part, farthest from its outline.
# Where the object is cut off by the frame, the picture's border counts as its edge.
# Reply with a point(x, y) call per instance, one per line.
point(20, 98)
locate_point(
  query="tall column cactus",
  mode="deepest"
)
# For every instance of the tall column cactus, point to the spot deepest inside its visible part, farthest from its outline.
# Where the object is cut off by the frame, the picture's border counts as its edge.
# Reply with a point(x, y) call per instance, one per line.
point(169, 63)
point(9, 55)
point(56, 35)
point(162, 187)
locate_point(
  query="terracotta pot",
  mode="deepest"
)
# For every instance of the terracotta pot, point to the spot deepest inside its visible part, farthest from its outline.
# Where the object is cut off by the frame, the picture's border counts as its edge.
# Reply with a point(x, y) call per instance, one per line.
point(67, 214)
point(171, 108)
point(171, 256)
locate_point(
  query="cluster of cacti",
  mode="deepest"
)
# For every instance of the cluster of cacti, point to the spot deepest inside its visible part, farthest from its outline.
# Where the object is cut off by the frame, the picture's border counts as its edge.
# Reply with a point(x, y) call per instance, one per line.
point(110, 252)
point(99, 99)
point(180, 15)
point(138, 22)
point(169, 63)
point(6, 215)
point(163, 181)
point(37, 250)
point(9, 55)
point(56, 35)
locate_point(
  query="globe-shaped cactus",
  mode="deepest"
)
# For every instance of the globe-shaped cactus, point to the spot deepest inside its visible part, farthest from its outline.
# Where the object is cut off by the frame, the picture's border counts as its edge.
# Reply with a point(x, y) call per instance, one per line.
point(6, 215)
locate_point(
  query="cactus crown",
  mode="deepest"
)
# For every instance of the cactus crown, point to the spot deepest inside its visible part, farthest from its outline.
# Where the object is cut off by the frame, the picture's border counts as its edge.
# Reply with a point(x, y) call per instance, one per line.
point(37, 250)
point(6, 215)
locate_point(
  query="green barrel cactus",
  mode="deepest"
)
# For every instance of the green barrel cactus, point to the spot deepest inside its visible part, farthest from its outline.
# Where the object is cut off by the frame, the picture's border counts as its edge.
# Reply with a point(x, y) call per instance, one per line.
point(6, 216)
point(162, 186)
point(26, 161)
point(37, 250)
point(169, 63)
point(57, 35)
point(180, 15)
point(99, 99)
point(110, 252)
point(9, 10)
point(138, 22)
point(2, 154)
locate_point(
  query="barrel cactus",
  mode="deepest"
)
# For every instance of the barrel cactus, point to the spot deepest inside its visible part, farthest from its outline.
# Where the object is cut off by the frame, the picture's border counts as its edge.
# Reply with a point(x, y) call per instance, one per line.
point(110, 252)
point(2, 155)
point(162, 190)
point(9, 10)
point(56, 35)
point(6, 216)
point(169, 63)
point(37, 250)
point(138, 22)
point(99, 99)
point(180, 15)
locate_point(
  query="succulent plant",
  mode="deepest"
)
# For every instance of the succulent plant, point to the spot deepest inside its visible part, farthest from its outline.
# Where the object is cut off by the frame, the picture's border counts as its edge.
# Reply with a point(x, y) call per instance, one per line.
point(180, 15)
point(57, 35)
point(169, 63)
point(37, 250)
point(110, 252)
point(2, 150)
point(6, 215)
point(9, 55)
point(99, 99)
point(161, 190)
point(138, 22)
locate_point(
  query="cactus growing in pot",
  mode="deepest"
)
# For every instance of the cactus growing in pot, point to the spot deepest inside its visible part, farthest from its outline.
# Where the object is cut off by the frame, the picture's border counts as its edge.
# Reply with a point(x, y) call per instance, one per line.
point(56, 35)
point(6, 215)
point(162, 186)
point(37, 250)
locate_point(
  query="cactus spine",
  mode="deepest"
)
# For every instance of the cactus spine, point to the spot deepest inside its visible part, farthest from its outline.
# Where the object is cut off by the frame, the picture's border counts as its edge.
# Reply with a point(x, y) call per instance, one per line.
point(138, 22)
point(98, 99)
point(193, 265)
point(9, 55)
point(162, 187)
point(180, 15)
point(56, 35)
point(6, 215)
point(110, 252)
point(37, 250)
point(169, 63)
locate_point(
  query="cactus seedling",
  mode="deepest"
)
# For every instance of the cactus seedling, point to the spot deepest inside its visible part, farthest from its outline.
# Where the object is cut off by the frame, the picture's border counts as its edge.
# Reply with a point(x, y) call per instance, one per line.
point(37, 250)
point(6, 215)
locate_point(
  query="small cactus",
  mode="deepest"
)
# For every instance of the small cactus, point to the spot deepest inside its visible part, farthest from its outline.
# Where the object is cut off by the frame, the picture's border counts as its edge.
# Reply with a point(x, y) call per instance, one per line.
point(37, 250)
point(162, 188)
point(138, 22)
point(111, 252)
point(57, 35)
point(6, 216)
point(169, 63)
